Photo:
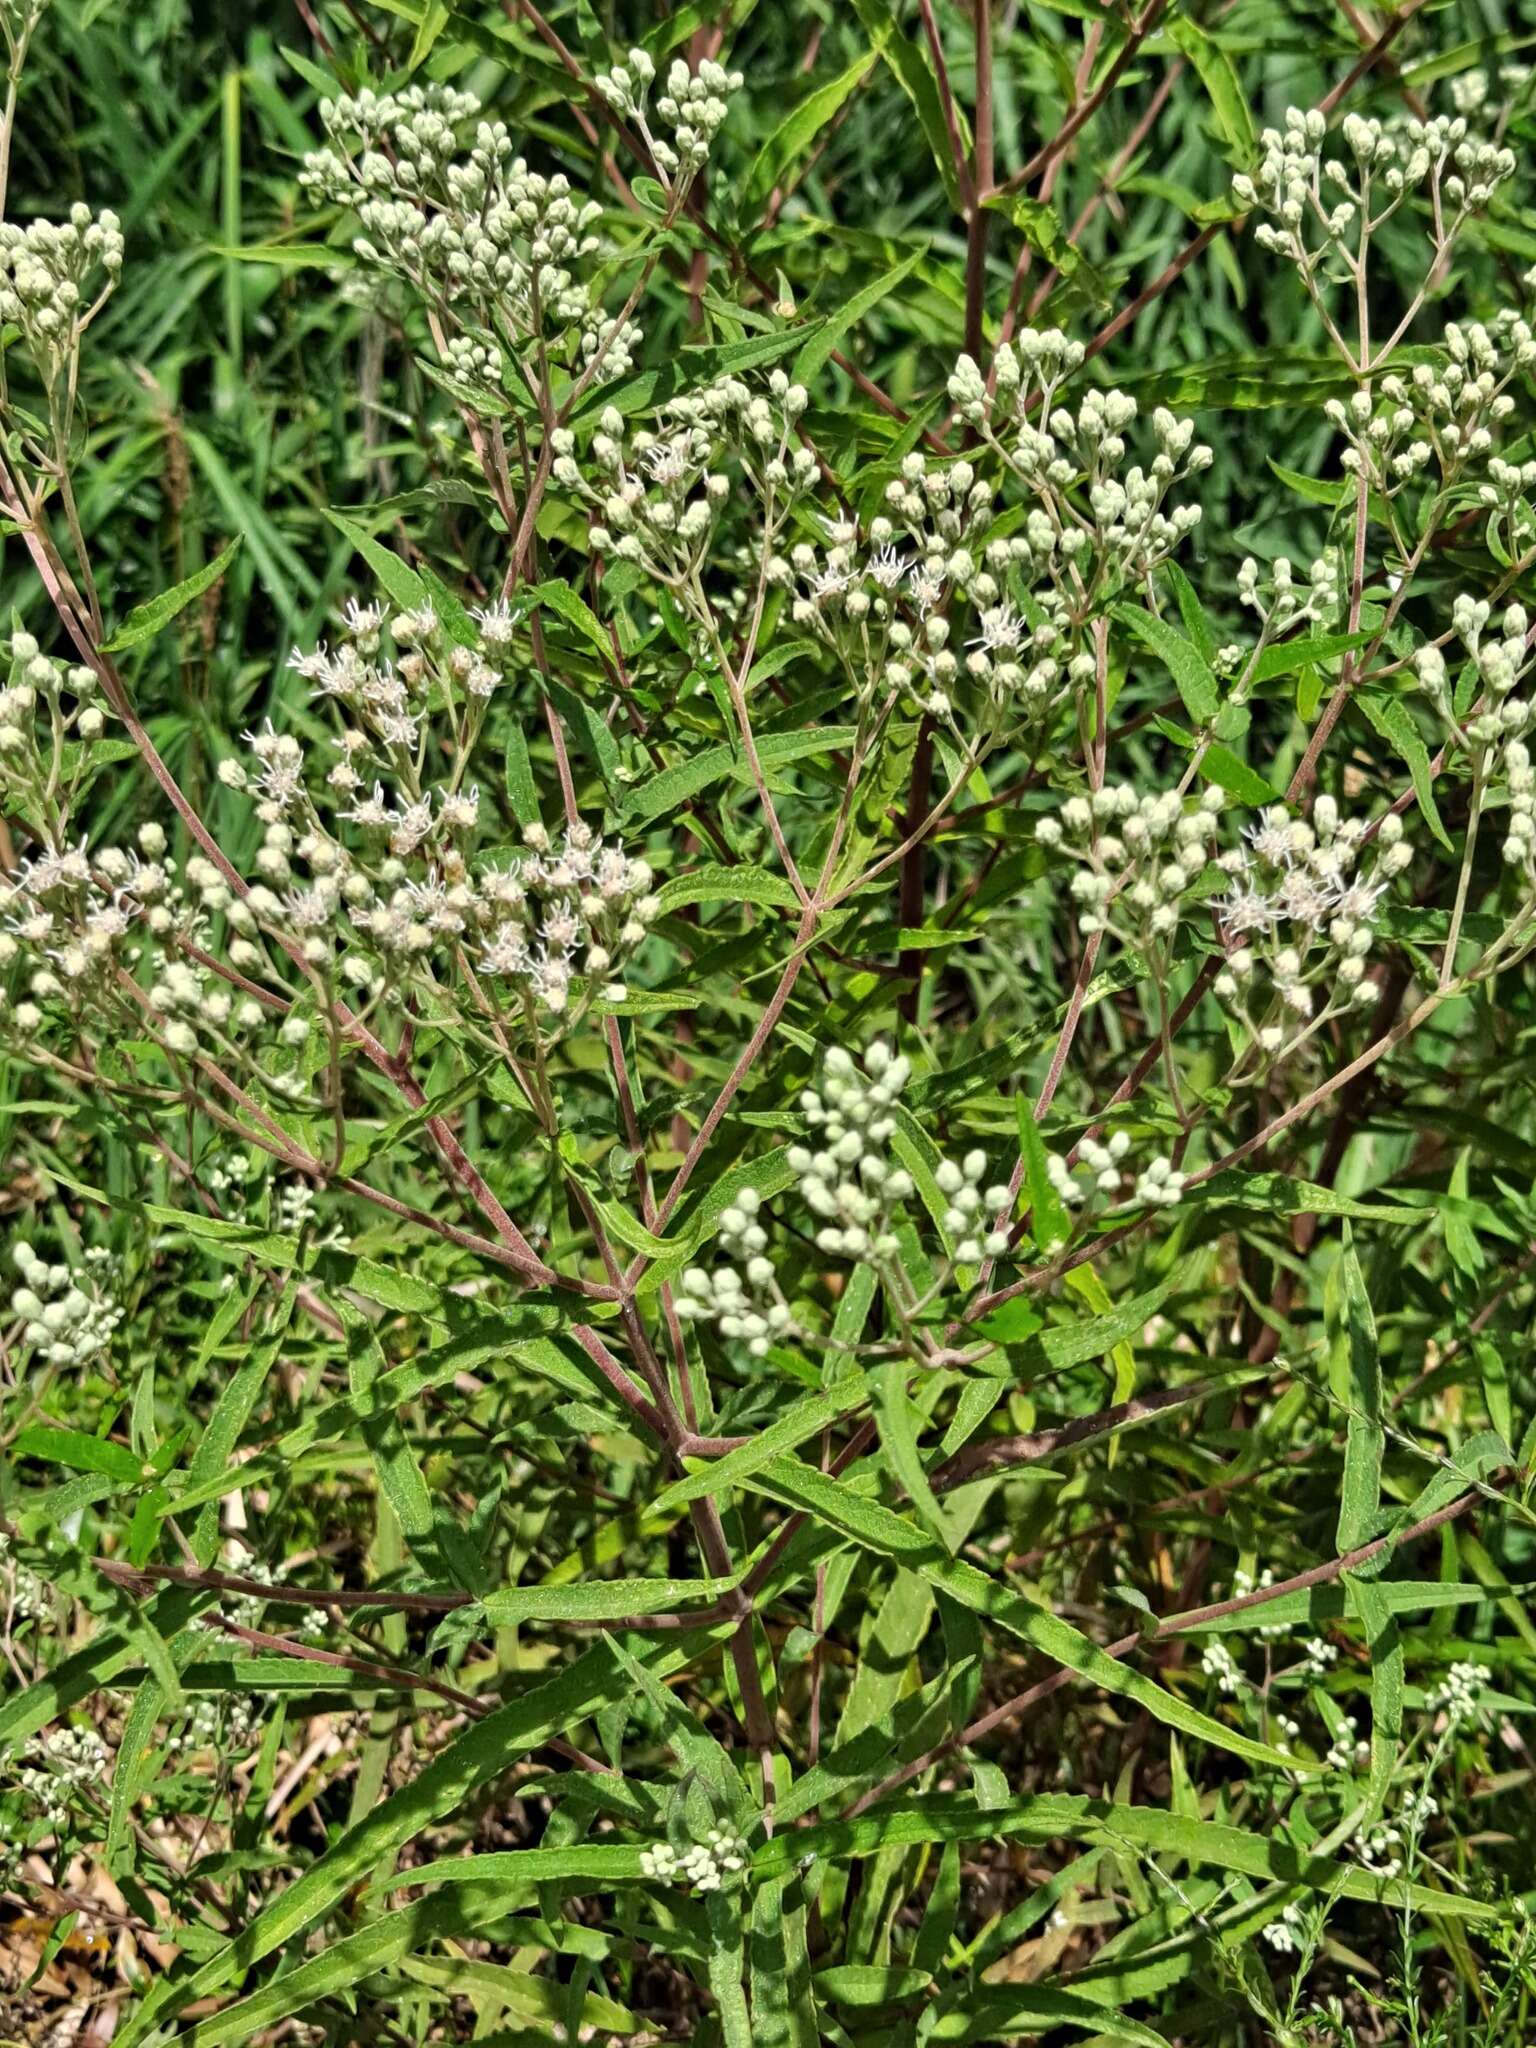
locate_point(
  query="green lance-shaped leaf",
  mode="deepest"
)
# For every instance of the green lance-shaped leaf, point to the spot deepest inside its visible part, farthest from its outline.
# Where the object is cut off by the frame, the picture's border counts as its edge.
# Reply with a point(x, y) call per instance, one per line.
point(797, 133)
point(146, 620)
point(1354, 1375)
point(875, 1528)
point(1190, 670)
point(1049, 1816)
point(482, 1753)
point(1048, 1221)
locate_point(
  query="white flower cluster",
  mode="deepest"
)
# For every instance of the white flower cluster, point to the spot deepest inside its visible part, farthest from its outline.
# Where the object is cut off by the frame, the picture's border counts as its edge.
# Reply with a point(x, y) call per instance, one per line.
point(228, 1725)
point(853, 1181)
point(1244, 1582)
point(740, 1297)
point(692, 109)
point(1443, 416)
point(707, 1865)
point(24, 1596)
point(1139, 857)
point(1280, 604)
point(1217, 1662)
point(375, 894)
point(1347, 1752)
point(581, 907)
point(1460, 1695)
point(924, 623)
point(476, 232)
point(1495, 731)
point(1286, 1933)
point(1299, 918)
point(394, 902)
point(54, 278)
point(390, 699)
point(1095, 525)
point(69, 1315)
point(657, 502)
point(68, 1762)
point(248, 1609)
point(1099, 1173)
point(1391, 162)
point(1318, 1655)
point(77, 922)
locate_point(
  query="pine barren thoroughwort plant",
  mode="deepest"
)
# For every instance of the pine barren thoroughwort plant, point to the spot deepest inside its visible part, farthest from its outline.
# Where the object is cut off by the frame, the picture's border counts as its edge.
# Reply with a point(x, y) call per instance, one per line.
point(769, 876)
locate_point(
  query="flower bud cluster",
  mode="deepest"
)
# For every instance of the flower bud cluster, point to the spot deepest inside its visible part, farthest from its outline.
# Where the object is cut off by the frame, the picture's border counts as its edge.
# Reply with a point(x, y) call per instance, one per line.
point(1299, 919)
point(1501, 661)
point(581, 907)
point(656, 498)
point(1097, 525)
point(228, 1724)
point(1100, 1166)
point(231, 1177)
point(1099, 1174)
point(1139, 857)
point(1318, 1657)
point(1347, 1751)
point(1471, 91)
point(691, 110)
point(1286, 1933)
point(1380, 1849)
point(1444, 417)
point(1461, 1694)
point(741, 1297)
point(1314, 207)
point(1217, 1662)
point(69, 1761)
point(1382, 432)
point(249, 1609)
point(45, 705)
point(70, 1315)
point(475, 231)
point(932, 624)
point(1282, 605)
point(24, 1596)
point(708, 1865)
point(1279, 603)
point(852, 1179)
point(293, 1213)
point(1496, 731)
point(54, 278)
point(1245, 1582)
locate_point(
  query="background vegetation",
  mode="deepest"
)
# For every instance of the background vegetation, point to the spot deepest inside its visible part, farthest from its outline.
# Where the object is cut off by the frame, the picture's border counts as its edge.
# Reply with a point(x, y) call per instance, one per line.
point(1027, 1646)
